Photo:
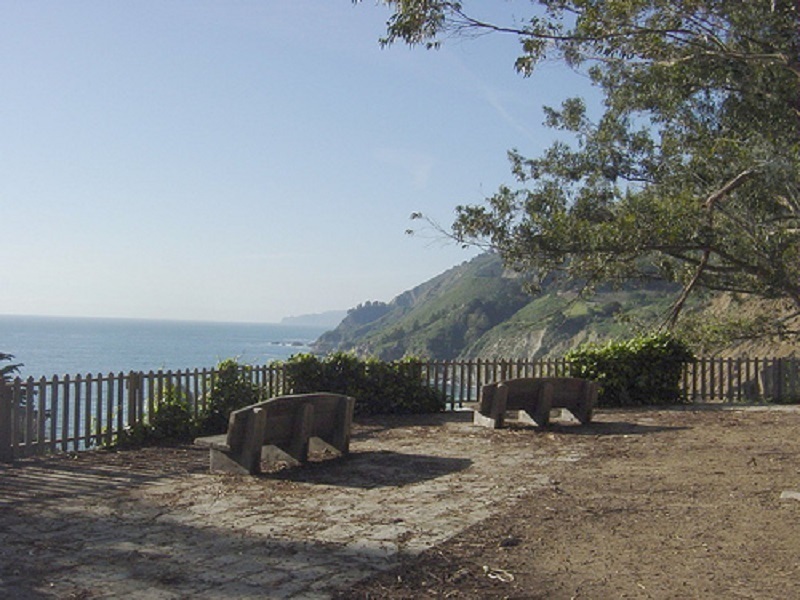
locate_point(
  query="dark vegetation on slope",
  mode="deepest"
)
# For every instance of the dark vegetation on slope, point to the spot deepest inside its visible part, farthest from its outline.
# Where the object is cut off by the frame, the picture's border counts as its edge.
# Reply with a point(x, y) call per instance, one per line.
point(479, 309)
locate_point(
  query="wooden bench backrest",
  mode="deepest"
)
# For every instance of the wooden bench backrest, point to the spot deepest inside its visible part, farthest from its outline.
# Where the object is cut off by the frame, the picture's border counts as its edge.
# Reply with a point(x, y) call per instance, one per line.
point(282, 413)
point(566, 391)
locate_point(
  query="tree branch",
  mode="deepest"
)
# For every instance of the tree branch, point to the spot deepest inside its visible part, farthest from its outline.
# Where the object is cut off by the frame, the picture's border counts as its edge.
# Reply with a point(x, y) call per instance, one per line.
point(709, 204)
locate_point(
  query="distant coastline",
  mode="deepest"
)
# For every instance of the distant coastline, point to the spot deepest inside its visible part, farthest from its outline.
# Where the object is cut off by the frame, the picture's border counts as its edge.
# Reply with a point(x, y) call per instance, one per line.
point(329, 319)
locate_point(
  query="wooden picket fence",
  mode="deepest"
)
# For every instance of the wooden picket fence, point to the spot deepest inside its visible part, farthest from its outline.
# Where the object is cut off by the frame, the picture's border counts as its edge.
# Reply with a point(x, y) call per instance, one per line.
point(73, 413)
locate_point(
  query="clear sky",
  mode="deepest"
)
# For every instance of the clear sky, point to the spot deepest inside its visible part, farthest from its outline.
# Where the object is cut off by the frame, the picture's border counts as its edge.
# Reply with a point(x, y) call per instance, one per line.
point(242, 160)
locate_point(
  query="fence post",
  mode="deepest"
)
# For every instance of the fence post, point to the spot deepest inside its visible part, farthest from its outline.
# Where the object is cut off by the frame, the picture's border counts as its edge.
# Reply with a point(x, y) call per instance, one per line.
point(132, 383)
point(6, 426)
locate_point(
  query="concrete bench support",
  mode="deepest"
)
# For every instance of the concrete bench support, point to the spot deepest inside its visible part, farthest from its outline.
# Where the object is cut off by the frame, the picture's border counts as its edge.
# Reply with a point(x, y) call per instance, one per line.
point(536, 397)
point(281, 429)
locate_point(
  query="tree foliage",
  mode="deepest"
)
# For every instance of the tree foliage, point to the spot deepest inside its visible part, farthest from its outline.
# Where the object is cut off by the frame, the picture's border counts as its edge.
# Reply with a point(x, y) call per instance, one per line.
point(7, 372)
point(690, 174)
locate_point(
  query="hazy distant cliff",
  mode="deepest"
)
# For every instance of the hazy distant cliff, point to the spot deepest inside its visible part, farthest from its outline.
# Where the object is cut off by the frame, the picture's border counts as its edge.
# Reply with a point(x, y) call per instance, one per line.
point(329, 318)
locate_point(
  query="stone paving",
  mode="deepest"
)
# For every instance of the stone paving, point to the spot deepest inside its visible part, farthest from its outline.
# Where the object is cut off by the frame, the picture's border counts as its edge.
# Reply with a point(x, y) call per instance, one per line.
point(154, 524)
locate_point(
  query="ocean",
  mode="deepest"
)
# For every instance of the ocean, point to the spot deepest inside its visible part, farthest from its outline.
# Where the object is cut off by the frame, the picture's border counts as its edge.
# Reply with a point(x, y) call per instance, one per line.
point(79, 346)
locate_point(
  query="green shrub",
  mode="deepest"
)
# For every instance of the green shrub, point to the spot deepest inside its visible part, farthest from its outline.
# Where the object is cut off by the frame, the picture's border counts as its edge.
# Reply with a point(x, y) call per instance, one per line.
point(305, 373)
point(172, 418)
point(171, 421)
point(642, 370)
point(379, 387)
point(231, 389)
point(398, 387)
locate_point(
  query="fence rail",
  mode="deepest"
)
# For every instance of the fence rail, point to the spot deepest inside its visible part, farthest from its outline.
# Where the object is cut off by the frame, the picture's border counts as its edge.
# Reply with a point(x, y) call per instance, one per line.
point(75, 413)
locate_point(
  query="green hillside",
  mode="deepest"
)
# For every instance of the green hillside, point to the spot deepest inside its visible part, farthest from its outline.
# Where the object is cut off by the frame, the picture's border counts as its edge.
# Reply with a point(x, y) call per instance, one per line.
point(477, 309)
point(556, 321)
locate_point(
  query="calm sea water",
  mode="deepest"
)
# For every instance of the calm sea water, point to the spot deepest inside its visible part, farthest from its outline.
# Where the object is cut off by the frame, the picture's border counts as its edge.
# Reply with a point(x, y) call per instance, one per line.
point(74, 346)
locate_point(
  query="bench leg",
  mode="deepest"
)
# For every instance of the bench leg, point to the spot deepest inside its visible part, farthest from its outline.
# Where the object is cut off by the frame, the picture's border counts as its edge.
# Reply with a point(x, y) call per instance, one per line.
point(340, 437)
point(256, 432)
point(496, 409)
point(223, 462)
point(318, 444)
point(273, 455)
point(302, 430)
point(525, 418)
point(543, 406)
point(585, 406)
point(484, 421)
point(583, 412)
point(247, 460)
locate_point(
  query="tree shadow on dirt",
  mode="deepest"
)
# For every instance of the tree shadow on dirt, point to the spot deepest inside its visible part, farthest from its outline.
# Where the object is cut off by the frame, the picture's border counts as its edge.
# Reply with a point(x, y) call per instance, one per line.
point(94, 472)
point(373, 469)
point(47, 554)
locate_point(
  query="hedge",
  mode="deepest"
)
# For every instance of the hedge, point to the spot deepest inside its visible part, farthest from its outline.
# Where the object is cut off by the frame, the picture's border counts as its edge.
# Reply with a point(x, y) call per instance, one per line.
point(642, 370)
point(379, 387)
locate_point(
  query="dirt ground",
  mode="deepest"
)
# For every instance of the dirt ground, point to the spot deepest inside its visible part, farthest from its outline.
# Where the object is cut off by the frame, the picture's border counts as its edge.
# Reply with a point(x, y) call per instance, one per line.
point(662, 504)
point(701, 503)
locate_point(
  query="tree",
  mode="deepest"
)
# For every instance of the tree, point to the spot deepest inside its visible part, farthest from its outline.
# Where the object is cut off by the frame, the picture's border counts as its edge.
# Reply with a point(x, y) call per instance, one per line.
point(8, 371)
point(691, 173)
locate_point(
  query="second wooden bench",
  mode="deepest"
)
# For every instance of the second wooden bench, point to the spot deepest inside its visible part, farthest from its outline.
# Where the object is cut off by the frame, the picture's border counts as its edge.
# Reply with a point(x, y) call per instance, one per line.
point(536, 396)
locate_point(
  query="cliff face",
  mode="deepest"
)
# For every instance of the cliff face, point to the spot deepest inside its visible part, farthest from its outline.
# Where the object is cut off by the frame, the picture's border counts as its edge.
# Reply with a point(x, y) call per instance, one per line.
point(478, 310)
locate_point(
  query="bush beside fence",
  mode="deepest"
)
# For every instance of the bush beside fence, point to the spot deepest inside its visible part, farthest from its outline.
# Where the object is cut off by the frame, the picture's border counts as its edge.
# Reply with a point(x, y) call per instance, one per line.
point(642, 370)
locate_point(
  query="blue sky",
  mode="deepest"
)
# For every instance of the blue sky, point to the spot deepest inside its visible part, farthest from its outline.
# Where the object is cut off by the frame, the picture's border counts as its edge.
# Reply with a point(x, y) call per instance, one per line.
point(242, 160)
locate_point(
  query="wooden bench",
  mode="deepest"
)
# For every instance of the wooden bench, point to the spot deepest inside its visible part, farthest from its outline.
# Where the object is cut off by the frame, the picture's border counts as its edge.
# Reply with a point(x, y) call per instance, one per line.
point(536, 397)
point(281, 428)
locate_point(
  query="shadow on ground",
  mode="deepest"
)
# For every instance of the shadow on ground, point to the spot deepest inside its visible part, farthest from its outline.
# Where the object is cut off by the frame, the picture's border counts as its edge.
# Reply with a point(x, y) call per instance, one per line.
point(94, 473)
point(611, 428)
point(374, 469)
point(47, 554)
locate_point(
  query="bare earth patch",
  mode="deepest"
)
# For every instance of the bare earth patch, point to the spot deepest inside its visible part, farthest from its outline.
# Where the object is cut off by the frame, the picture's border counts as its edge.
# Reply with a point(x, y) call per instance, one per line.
point(641, 504)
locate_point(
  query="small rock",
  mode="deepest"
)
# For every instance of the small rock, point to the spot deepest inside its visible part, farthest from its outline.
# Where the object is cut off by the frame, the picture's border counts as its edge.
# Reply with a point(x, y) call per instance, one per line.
point(509, 542)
